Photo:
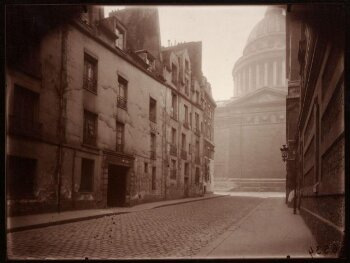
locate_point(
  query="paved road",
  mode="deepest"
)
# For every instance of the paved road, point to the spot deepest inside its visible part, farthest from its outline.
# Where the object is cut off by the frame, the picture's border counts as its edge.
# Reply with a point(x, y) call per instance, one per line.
point(174, 231)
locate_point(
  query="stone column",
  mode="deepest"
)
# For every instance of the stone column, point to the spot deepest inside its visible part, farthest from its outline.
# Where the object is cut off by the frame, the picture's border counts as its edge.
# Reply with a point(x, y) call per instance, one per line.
point(283, 72)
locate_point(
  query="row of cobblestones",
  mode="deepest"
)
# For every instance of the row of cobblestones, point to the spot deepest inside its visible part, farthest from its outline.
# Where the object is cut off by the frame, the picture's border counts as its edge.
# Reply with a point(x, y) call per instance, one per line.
point(178, 231)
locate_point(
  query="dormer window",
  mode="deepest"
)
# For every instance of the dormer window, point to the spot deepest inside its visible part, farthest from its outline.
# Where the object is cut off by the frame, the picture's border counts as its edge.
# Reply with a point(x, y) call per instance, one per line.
point(174, 73)
point(119, 42)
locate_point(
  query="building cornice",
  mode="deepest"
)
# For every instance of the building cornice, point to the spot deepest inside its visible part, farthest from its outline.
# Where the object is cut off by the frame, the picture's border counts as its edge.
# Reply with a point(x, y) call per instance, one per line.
point(124, 56)
point(243, 60)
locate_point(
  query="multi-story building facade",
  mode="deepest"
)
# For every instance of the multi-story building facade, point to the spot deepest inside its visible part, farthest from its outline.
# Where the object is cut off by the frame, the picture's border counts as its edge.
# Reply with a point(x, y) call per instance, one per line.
point(99, 121)
point(250, 127)
point(315, 122)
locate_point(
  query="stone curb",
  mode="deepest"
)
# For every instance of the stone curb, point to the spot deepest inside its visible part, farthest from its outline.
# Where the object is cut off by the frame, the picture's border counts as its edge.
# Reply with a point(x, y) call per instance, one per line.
point(72, 220)
point(204, 252)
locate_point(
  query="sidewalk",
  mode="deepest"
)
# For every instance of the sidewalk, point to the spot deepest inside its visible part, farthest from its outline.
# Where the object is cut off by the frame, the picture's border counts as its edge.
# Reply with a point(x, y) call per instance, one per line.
point(270, 230)
point(20, 223)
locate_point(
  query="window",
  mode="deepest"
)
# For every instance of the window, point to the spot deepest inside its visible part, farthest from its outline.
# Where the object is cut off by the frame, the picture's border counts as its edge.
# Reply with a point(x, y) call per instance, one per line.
point(146, 168)
point(20, 177)
point(174, 73)
point(173, 148)
point(152, 109)
point(197, 148)
point(122, 97)
point(90, 128)
point(183, 142)
point(119, 42)
point(187, 87)
point(197, 160)
point(173, 170)
point(186, 114)
point(173, 136)
point(25, 112)
point(174, 106)
point(90, 73)
point(197, 176)
point(120, 136)
point(197, 121)
point(187, 168)
point(153, 146)
point(87, 175)
point(191, 119)
point(197, 96)
point(154, 174)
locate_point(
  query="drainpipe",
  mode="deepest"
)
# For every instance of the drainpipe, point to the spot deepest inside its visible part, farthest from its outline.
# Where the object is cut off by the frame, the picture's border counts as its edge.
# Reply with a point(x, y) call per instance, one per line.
point(73, 179)
point(61, 89)
point(164, 141)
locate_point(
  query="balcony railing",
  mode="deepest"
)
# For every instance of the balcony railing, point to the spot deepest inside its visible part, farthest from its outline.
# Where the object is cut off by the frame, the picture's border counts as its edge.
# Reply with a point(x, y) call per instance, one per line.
point(173, 150)
point(121, 102)
point(197, 159)
point(24, 126)
point(186, 125)
point(173, 174)
point(153, 155)
point(183, 154)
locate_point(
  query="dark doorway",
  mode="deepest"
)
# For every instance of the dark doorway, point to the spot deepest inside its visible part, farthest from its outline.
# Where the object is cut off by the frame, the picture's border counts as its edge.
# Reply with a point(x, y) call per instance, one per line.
point(116, 185)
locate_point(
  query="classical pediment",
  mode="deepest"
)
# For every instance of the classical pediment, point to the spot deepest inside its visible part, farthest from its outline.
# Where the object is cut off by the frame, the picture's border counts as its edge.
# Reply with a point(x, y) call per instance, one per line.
point(264, 96)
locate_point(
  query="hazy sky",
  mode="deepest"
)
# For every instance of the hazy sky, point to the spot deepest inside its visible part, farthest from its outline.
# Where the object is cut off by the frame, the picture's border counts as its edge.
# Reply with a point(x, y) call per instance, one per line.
point(223, 31)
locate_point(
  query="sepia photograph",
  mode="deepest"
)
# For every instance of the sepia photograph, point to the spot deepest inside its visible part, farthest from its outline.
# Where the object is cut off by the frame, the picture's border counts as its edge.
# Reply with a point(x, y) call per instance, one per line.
point(174, 131)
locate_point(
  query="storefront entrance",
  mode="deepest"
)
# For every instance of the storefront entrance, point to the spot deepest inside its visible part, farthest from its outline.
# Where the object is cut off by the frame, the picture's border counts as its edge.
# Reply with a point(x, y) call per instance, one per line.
point(116, 185)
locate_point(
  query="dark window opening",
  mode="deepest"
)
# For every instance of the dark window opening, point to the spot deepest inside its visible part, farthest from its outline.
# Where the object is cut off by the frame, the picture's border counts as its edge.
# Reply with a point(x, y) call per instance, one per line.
point(119, 42)
point(24, 120)
point(173, 170)
point(153, 146)
point(174, 73)
point(87, 175)
point(122, 97)
point(20, 177)
point(90, 73)
point(174, 106)
point(197, 176)
point(120, 136)
point(152, 110)
point(90, 128)
point(154, 178)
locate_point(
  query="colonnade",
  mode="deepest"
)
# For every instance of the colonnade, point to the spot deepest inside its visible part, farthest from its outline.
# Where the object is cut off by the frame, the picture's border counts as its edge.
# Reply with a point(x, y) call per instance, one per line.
point(271, 73)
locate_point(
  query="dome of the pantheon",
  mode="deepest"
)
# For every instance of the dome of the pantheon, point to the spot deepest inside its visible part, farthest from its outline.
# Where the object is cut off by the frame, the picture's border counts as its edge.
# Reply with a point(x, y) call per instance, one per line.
point(263, 61)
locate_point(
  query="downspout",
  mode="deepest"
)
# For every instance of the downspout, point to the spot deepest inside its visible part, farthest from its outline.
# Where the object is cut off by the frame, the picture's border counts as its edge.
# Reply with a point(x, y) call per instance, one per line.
point(61, 125)
point(73, 179)
point(164, 142)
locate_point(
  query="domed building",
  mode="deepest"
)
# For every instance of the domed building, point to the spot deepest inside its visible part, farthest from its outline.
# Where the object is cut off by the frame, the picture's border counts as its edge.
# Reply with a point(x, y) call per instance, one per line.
point(251, 126)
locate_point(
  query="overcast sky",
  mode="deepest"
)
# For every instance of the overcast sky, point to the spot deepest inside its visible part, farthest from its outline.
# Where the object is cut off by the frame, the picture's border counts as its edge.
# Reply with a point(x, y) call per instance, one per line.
point(223, 31)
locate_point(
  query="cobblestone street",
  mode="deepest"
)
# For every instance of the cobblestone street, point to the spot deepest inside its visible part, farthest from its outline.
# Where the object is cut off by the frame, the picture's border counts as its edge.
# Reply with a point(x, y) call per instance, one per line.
point(180, 230)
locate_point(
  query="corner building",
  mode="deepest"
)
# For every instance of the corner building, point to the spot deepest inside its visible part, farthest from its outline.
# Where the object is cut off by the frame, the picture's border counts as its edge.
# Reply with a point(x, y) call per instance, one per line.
point(316, 119)
point(250, 127)
point(96, 111)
